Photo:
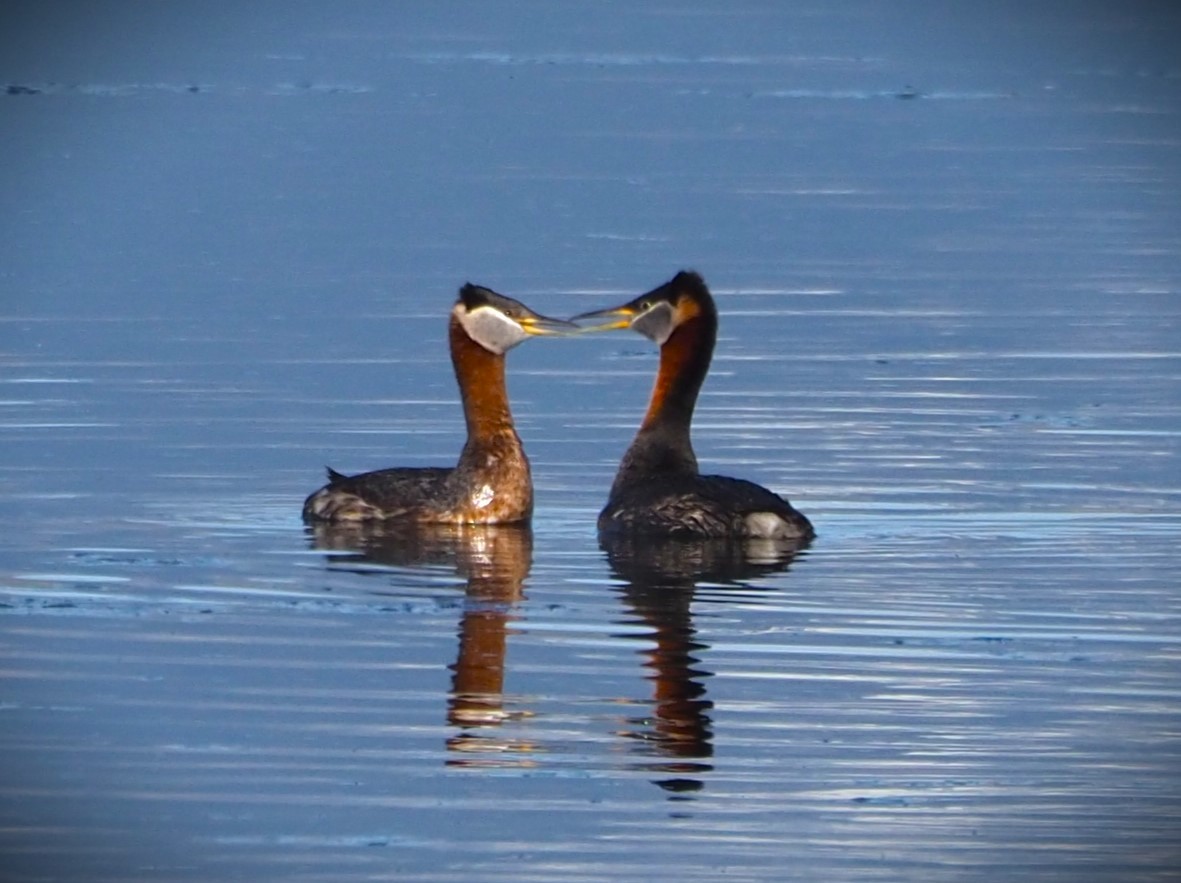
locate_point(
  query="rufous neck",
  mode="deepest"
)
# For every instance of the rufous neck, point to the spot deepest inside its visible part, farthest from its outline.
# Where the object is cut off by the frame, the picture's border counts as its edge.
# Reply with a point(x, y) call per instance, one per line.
point(684, 362)
point(480, 375)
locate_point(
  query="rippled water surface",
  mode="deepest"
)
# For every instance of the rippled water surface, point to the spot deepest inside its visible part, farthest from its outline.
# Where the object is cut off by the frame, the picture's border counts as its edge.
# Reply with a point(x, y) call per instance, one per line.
point(945, 248)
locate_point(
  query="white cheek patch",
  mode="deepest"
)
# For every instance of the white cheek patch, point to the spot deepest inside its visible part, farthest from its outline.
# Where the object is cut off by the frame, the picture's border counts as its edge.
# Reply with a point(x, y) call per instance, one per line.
point(491, 329)
point(656, 324)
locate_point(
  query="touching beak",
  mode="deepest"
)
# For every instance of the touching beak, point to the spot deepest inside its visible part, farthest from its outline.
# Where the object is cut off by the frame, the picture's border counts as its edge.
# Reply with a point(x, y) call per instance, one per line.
point(537, 324)
point(616, 318)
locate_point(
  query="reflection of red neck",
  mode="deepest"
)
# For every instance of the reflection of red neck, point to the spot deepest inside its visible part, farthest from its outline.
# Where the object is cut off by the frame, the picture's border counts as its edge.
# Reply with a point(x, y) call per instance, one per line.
point(480, 375)
point(477, 685)
point(682, 722)
point(497, 563)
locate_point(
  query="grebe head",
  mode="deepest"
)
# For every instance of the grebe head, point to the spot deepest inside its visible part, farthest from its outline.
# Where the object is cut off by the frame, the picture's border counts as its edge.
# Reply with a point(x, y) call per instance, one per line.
point(659, 313)
point(499, 323)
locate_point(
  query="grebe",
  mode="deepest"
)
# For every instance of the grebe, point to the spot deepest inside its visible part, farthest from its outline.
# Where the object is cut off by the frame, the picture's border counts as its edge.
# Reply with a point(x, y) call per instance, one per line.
point(491, 484)
point(658, 489)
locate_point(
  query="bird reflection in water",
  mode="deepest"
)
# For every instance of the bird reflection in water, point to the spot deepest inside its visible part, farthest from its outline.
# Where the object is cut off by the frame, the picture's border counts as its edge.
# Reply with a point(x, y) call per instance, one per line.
point(495, 561)
point(660, 577)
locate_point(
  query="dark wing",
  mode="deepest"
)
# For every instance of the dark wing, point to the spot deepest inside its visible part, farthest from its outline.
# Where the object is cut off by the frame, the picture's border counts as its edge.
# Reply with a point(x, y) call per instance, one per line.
point(702, 506)
point(378, 495)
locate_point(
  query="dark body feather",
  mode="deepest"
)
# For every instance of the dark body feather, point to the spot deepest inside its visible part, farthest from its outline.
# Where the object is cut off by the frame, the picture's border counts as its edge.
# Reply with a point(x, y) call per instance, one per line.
point(394, 492)
point(701, 506)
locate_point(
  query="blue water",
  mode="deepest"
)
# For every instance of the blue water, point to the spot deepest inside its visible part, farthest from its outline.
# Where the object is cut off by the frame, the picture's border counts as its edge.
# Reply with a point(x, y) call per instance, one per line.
point(944, 244)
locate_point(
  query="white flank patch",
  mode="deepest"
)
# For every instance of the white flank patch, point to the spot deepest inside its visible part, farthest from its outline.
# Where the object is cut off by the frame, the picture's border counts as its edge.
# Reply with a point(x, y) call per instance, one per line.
point(766, 525)
point(483, 496)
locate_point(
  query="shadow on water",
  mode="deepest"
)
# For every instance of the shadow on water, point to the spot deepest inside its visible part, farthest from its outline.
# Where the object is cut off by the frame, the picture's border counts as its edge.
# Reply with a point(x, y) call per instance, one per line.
point(661, 577)
point(495, 561)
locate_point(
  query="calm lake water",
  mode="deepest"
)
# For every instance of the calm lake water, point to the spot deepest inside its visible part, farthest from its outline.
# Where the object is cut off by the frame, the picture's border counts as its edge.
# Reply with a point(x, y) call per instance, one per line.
point(945, 247)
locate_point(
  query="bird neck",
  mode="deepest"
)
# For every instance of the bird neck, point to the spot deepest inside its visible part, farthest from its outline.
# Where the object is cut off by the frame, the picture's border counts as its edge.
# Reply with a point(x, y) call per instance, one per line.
point(662, 445)
point(480, 375)
point(684, 362)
